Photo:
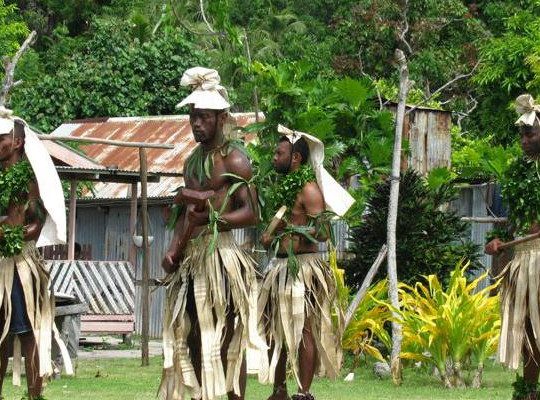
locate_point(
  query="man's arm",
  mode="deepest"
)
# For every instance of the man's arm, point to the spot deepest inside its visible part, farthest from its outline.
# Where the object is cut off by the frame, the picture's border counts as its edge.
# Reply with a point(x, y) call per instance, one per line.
point(313, 202)
point(35, 214)
point(174, 253)
point(244, 199)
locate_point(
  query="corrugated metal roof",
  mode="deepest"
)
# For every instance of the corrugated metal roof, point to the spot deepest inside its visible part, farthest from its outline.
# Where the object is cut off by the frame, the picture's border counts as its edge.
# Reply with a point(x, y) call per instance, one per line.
point(174, 129)
point(65, 155)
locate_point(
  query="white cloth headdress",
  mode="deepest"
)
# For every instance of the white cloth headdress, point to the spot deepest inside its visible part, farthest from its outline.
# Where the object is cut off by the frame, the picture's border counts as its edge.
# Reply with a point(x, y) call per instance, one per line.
point(50, 188)
point(337, 199)
point(527, 108)
point(207, 92)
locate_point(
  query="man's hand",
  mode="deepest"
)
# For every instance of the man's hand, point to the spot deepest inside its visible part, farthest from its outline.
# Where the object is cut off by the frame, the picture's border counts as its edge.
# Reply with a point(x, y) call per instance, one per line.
point(492, 247)
point(169, 264)
point(197, 218)
point(266, 240)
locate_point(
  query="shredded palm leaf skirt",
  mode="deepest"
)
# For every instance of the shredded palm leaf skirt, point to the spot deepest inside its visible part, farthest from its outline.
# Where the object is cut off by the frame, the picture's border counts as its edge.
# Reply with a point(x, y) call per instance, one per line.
point(520, 301)
point(287, 304)
point(221, 280)
point(39, 302)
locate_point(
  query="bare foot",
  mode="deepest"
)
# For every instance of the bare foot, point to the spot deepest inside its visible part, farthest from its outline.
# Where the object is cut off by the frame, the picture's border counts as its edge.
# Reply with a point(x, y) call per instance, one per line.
point(279, 393)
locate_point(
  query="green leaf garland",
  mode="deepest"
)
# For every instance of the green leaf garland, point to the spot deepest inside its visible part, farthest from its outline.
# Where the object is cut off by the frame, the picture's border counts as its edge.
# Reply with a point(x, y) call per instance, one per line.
point(520, 188)
point(288, 187)
point(14, 182)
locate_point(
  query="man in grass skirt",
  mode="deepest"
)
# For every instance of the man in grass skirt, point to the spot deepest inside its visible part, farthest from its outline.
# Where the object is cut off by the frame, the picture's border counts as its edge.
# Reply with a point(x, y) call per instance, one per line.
point(32, 214)
point(211, 286)
point(298, 309)
point(520, 286)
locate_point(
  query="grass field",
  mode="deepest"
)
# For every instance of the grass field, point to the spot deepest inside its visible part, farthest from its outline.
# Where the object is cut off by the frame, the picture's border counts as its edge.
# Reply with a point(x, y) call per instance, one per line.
point(124, 379)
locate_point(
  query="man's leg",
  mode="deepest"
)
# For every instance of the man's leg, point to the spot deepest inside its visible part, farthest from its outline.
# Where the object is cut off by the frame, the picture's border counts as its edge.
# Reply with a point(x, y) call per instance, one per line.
point(307, 355)
point(194, 336)
point(280, 376)
point(228, 335)
point(4, 359)
point(31, 364)
point(531, 361)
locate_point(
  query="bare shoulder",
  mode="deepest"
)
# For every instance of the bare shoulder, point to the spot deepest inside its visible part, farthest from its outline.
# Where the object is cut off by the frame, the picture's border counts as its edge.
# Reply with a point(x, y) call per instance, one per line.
point(312, 198)
point(311, 190)
point(237, 162)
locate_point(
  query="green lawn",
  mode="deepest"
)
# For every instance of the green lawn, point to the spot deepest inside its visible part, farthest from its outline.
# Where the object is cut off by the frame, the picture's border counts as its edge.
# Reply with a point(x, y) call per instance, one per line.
point(124, 379)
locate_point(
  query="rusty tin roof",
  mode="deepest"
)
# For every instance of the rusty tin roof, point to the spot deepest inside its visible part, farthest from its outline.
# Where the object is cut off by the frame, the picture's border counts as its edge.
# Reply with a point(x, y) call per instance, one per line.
point(174, 129)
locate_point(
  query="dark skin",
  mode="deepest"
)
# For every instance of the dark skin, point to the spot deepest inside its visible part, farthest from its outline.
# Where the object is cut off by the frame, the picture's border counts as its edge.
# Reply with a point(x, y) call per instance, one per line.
point(530, 144)
point(309, 203)
point(239, 212)
point(11, 151)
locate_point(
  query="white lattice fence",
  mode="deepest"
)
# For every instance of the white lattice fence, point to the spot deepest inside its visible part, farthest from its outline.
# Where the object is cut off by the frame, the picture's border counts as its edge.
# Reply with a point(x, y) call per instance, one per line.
point(108, 287)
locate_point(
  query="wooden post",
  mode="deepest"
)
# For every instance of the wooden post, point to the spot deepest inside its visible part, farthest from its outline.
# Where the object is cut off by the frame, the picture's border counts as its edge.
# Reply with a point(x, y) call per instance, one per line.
point(72, 219)
point(145, 292)
point(132, 257)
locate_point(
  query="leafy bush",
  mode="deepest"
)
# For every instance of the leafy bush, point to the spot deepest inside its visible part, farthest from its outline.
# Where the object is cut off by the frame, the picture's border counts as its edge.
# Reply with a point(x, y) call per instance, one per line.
point(480, 159)
point(442, 328)
point(430, 237)
point(368, 325)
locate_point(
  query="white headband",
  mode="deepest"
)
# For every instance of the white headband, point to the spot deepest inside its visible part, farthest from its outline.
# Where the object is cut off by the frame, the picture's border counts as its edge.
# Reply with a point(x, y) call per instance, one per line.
point(527, 108)
point(207, 92)
point(337, 199)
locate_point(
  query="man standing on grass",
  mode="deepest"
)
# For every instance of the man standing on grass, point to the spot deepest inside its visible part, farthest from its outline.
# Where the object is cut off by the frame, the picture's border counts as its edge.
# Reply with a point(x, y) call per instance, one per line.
point(298, 310)
point(211, 292)
point(32, 213)
point(520, 288)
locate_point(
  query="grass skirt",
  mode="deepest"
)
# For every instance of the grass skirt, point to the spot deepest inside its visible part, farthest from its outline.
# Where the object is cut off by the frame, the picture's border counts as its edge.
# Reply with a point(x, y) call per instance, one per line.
point(39, 308)
point(520, 300)
point(224, 277)
point(284, 305)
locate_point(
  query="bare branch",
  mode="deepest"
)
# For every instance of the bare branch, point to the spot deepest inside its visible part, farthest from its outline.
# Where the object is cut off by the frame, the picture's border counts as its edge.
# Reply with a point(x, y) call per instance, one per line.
point(379, 96)
point(188, 28)
point(443, 87)
point(9, 66)
point(405, 29)
point(201, 4)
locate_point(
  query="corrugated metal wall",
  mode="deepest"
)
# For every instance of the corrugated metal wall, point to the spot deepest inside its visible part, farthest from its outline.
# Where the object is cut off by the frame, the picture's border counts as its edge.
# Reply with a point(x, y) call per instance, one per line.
point(474, 201)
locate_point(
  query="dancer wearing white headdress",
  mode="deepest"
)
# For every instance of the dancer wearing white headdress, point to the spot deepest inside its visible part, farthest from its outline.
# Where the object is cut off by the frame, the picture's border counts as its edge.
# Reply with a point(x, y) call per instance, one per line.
point(520, 286)
point(211, 287)
point(298, 312)
point(32, 213)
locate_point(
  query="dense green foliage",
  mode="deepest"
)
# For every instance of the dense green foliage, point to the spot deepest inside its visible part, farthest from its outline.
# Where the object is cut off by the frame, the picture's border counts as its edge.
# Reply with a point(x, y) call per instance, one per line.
point(519, 188)
point(430, 237)
point(110, 74)
point(12, 29)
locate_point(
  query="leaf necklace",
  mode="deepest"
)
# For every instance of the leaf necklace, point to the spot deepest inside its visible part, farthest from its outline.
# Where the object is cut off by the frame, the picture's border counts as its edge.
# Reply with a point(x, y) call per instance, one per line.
point(521, 189)
point(14, 186)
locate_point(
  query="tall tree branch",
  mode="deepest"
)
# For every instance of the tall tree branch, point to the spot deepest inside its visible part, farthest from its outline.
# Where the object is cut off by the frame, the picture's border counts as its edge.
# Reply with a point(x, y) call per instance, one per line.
point(201, 5)
point(403, 33)
point(397, 335)
point(9, 68)
point(443, 87)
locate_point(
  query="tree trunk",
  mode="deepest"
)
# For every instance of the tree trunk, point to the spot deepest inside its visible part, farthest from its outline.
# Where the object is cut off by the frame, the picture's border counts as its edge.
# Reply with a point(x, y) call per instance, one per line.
point(477, 379)
point(397, 337)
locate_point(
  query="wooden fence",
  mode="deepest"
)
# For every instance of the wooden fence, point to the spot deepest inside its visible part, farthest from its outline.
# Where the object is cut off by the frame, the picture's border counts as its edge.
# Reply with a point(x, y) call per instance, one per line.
point(108, 287)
